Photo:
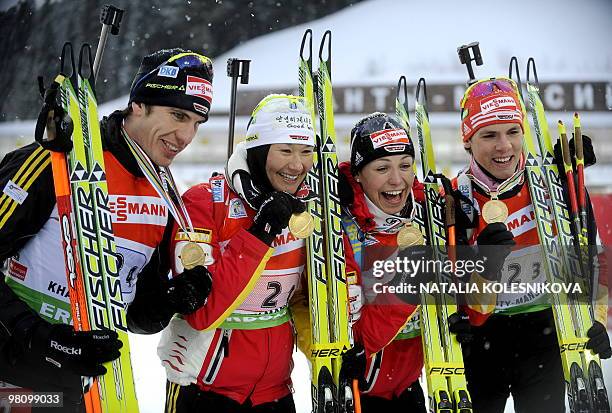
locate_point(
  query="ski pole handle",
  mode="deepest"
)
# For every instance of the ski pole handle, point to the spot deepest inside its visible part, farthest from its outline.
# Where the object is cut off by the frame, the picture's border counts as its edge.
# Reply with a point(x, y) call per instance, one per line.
point(110, 17)
point(236, 68)
point(578, 145)
point(466, 58)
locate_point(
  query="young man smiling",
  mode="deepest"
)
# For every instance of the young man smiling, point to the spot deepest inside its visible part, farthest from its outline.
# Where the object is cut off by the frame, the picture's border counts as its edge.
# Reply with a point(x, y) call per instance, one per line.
point(514, 349)
point(169, 98)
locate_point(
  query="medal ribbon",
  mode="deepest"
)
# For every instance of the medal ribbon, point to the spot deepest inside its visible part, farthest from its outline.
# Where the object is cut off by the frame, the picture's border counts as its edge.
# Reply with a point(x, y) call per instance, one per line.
point(161, 178)
point(516, 179)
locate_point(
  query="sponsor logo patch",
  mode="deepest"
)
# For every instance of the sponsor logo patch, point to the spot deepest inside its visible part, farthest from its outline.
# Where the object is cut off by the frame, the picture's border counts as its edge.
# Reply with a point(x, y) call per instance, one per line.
point(217, 189)
point(236, 209)
point(17, 270)
point(389, 137)
point(358, 158)
point(198, 235)
point(496, 103)
point(15, 192)
point(521, 221)
point(200, 108)
point(138, 209)
point(394, 148)
point(168, 71)
point(160, 86)
point(202, 88)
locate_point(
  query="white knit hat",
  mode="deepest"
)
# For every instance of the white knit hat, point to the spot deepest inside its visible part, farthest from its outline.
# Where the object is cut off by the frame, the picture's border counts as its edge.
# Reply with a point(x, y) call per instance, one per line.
point(280, 119)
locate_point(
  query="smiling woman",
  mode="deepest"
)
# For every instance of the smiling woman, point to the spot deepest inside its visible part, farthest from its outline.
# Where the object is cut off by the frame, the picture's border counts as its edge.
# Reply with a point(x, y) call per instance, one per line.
point(257, 264)
point(387, 182)
point(381, 161)
point(376, 217)
point(287, 165)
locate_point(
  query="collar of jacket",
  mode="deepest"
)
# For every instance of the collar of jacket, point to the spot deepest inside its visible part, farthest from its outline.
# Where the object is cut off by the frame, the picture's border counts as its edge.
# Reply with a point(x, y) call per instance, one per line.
point(112, 141)
point(358, 206)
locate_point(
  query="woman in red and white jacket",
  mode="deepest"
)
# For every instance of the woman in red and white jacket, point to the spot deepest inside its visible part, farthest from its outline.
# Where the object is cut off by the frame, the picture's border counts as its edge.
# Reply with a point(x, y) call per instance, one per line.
point(378, 194)
point(235, 352)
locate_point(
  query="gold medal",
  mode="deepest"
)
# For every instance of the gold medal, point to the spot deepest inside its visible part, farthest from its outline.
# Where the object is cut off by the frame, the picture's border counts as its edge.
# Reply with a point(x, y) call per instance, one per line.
point(301, 225)
point(192, 255)
point(494, 211)
point(409, 236)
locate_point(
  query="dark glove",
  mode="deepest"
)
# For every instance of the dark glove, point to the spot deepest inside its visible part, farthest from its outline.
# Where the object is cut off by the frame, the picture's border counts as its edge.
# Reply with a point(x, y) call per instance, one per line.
point(273, 215)
point(587, 150)
point(495, 243)
point(81, 352)
point(599, 341)
point(423, 275)
point(354, 363)
point(189, 290)
point(54, 120)
point(459, 324)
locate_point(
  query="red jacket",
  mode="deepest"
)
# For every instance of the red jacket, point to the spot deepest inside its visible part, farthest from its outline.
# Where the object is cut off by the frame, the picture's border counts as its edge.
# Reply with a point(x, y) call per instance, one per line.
point(240, 343)
point(525, 263)
point(381, 324)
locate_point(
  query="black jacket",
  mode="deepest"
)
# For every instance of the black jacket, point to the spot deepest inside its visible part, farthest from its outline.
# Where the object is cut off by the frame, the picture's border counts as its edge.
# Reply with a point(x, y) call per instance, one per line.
point(30, 168)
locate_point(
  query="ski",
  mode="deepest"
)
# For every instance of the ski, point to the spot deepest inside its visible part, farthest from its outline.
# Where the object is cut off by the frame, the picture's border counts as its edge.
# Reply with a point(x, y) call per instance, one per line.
point(61, 180)
point(122, 395)
point(444, 369)
point(94, 288)
point(327, 286)
point(559, 235)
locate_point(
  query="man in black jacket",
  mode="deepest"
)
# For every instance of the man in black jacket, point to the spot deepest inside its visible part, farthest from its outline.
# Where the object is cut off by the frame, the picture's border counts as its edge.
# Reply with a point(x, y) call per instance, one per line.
point(39, 350)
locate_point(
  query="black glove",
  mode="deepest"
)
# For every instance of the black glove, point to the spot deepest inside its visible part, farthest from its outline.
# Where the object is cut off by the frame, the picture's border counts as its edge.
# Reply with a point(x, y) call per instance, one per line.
point(459, 324)
point(587, 150)
point(495, 243)
point(423, 275)
point(599, 341)
point(354, 363)
point(189, 290)
point(273, 215)
point(81, 352)
point(55, 121)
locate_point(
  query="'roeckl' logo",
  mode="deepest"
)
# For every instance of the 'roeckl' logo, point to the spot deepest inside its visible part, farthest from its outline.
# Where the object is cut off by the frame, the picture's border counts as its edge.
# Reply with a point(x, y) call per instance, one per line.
point(65, 349)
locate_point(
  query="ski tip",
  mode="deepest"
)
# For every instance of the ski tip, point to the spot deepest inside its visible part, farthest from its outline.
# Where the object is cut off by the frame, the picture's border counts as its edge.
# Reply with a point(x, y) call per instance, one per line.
point(306, 45)
point(576, 120)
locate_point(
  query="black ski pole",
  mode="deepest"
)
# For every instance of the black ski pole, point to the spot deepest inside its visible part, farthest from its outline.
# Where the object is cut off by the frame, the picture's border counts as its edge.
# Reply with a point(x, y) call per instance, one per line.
point(466, 58)
point(235, 68)
point(110, 17)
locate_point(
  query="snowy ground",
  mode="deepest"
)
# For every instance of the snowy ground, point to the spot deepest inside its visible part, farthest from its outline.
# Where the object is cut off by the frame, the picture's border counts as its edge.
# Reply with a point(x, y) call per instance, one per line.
point(150, 377)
